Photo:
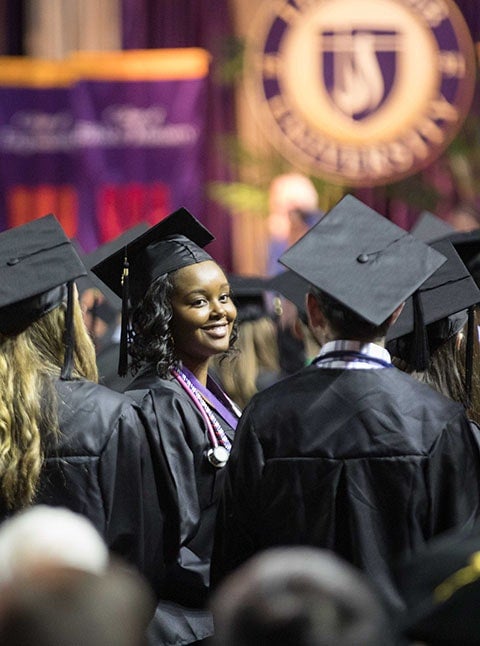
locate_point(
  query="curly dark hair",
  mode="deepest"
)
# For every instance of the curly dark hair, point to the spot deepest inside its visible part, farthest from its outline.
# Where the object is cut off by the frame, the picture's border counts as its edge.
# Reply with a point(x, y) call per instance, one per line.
point(152, 340)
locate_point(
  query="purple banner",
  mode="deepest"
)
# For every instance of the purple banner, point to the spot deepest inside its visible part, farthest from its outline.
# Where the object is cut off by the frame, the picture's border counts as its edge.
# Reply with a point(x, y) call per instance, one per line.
point(104, 141)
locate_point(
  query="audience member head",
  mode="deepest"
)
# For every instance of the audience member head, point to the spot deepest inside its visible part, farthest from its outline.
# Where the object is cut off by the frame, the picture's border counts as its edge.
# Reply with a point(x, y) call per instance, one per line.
point(59, 587)
point(172, 282)
point(297, 596)
point(292, 190)
point(289, 193)
point(64, 606)
point(293, 209)
point(41, 535)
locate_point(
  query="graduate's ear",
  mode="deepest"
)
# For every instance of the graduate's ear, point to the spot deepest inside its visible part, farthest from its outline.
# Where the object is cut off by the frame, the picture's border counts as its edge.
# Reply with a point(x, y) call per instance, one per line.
point(316, 317)
point(396, 313)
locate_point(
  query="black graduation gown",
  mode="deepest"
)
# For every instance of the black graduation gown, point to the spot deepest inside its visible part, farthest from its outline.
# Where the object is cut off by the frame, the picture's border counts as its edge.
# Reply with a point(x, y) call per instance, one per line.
point(107, 364)
point(367, 463)
point(107, 350)
point(192, 486)
point(101, 467)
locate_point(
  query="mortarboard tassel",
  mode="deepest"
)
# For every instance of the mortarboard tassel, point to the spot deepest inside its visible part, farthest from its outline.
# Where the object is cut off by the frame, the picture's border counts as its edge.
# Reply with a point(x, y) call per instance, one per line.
point(420, 347)
point(469, 356)
point(123, 353)
point(69, 336)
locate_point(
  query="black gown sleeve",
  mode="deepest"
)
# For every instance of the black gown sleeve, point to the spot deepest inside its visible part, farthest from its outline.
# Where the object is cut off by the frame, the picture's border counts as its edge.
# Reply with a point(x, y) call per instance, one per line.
point(453, 477)
point(235, 528)
point(132, 497)
point(102, 467)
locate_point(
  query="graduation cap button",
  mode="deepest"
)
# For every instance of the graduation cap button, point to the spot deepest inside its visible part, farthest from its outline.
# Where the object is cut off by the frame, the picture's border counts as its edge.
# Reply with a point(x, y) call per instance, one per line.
point(363, 257)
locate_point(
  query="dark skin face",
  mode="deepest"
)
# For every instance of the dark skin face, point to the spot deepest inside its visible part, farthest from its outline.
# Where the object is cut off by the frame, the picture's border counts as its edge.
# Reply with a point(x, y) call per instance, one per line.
point(203, 315)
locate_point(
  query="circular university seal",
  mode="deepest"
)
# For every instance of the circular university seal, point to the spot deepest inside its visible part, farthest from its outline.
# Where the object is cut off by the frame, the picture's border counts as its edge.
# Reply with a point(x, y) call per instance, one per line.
point(360, 92)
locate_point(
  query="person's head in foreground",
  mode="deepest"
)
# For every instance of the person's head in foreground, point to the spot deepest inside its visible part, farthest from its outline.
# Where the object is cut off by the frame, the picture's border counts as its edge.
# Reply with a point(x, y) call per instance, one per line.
point(42, 535)
point(67, 606)
point(59, 586)
point(297, 596)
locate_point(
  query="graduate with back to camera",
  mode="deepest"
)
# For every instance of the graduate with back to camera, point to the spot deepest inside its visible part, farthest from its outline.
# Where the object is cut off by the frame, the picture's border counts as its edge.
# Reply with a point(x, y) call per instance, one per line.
point(65, 440)
point(181, 315)
point(449, 301)
point(350, 454)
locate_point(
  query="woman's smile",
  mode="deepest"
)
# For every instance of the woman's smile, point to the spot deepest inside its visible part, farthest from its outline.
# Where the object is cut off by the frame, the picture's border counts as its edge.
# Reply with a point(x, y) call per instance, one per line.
point(218, 330)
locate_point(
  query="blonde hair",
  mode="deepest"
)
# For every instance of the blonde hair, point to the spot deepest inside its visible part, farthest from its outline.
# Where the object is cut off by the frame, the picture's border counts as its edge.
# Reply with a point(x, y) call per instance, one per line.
point(30, 362)
point(257, 350)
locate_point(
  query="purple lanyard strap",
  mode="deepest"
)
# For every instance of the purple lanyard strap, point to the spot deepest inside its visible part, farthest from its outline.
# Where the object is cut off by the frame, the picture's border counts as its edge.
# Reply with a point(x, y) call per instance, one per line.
point(216, 433)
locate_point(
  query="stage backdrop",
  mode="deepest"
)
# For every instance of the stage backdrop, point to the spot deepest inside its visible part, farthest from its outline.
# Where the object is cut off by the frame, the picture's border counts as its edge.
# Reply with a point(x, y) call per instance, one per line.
point(103, 140)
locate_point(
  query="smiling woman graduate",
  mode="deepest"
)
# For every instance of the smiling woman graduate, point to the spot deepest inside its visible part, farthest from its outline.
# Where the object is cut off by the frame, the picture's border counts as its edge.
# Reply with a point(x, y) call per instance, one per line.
point(178, 314)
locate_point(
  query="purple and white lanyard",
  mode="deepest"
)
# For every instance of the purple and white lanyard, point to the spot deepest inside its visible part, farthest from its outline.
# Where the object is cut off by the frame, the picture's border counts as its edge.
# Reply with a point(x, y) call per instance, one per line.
point(220, 444)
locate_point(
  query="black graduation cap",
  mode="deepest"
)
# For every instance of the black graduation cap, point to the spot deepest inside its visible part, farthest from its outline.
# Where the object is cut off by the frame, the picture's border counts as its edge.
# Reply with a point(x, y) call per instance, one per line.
point(467, 244)
point(430, 227)
point(446, 300)
point(441, 586)
point(175, 242)
point(292, 287)
point(248, 294)
point(37, 268)
point(363, 260)
point(108, 307)
point(448, 291)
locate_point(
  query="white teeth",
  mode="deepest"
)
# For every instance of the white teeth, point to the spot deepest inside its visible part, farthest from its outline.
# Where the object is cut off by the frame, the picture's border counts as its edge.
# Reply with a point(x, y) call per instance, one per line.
point(217, 330)
point(215, 327)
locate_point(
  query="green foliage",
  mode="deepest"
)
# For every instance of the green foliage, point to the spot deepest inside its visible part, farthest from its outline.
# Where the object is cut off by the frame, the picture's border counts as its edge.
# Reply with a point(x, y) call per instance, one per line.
point(239, 197)
point(230, 68)
point(463, 156)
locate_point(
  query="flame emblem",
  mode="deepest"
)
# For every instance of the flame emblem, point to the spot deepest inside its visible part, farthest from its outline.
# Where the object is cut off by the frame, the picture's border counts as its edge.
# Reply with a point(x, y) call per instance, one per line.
point(359, 69)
